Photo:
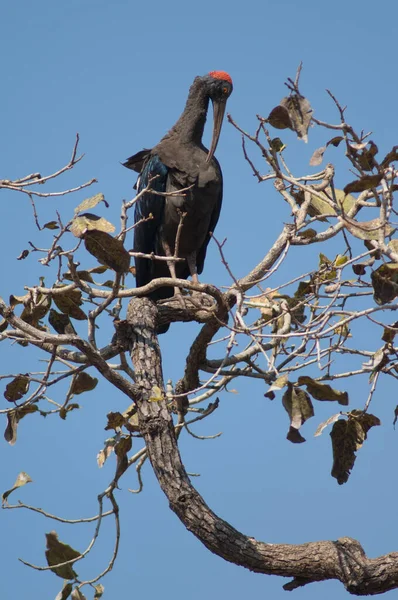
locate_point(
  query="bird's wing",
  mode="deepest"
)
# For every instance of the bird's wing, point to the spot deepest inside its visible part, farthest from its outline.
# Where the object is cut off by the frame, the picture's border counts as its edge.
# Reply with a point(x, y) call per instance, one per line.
point(137, 161)
point(154, 173)
point(200, 259)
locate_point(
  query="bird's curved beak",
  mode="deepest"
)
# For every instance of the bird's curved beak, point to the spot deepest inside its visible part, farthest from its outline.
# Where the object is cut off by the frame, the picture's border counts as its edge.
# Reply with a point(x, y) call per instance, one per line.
point(218, 115)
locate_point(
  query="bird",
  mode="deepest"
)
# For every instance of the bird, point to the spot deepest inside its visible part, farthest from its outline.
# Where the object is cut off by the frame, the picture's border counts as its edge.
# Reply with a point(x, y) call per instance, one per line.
point(180, 161)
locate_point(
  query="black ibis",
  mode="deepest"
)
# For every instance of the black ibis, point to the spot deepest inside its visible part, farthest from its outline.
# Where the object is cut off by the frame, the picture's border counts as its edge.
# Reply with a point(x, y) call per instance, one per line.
point(180, 161)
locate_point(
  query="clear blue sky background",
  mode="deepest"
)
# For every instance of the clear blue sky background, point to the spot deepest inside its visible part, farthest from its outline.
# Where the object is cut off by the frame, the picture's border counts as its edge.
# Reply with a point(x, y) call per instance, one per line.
point(118, 73)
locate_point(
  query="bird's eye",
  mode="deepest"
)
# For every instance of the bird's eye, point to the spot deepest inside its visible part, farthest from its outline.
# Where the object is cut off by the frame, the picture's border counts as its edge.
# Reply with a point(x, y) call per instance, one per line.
point(225, 90)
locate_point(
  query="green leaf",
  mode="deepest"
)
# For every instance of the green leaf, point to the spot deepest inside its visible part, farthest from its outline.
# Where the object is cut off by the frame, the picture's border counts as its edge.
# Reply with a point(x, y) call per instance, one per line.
point(107, 250)
point(90, 203)
point(22, 479)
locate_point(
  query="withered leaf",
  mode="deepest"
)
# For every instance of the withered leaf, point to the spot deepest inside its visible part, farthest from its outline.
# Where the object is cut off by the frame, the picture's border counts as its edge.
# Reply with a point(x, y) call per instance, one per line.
point(13, 418)
point(347, 437)
point(298, 405)
point(69, 304)
point(10, 434)
point(389, 333)
point(107, 250)
point(60, 322)
point(279, 118)
point(335, 141)
point(51, 225)
point(323, 391)
point(99, 590)
point(367, 230)
point(83, 382)
point(17, 388)
point(277, 145)
point(22, 479)
point(317, 157)
point(65, 592)
point(24, 254)
point(364, 183)
point(64, 410)
point(359, 269)
point(329, 421)
point(78, 595)
point(85, 275)
point(392, 156)
point(90, 203)
point(278, 384)
point(107, 450)
point(294, 436)
point(57, 552)
point(395, 415)
point(385, 283)
point(33, 312)
point(300, 113)
point(115, 420)
point(377, 362)
point(86, 222)
point(121, 448)
point(307, 234)
point(366, 158)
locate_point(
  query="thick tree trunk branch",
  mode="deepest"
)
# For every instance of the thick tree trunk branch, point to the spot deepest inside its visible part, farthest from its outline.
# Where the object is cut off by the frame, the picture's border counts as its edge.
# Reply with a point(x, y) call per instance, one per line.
point(343, 559)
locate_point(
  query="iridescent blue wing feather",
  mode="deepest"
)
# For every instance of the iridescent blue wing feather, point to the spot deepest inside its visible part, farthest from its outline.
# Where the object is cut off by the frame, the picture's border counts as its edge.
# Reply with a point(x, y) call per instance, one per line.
point(154, 174)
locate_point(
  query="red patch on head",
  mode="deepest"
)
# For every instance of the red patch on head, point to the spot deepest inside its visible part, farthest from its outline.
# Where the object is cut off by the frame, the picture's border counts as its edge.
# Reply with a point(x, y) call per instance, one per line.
point(221, 75)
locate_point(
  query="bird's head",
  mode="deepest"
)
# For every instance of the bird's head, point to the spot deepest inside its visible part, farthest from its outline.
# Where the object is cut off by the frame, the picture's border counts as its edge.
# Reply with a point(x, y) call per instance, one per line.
point(219, 88)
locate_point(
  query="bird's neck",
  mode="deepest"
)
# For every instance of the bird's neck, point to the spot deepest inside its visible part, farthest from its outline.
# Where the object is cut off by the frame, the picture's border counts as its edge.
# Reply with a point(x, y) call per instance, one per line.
point(189, 127)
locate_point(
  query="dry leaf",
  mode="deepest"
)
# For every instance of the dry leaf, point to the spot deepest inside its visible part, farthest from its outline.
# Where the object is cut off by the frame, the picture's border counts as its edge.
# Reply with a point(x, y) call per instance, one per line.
point(22, 479)
point(90, 203)
point(298, 405)
point(57, 552)
point(107, 250)
point(323, 391)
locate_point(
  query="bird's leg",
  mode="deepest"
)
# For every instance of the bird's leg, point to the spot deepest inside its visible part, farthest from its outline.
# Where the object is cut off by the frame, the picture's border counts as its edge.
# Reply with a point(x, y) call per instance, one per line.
point(191, 260)
point(172, 268)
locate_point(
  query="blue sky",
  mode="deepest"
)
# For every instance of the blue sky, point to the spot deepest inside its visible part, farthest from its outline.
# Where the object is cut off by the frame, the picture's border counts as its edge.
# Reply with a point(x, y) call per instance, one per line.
point(118, 73)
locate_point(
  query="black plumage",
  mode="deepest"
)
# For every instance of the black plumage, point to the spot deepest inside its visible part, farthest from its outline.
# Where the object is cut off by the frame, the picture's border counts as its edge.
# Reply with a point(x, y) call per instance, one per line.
point(178, 161)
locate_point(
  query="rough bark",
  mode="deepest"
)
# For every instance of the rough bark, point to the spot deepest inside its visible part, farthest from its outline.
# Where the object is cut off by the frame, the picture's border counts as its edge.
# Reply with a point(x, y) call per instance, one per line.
point(344, 559)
